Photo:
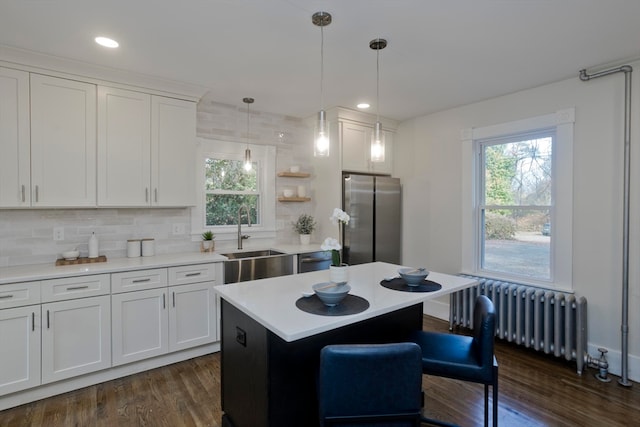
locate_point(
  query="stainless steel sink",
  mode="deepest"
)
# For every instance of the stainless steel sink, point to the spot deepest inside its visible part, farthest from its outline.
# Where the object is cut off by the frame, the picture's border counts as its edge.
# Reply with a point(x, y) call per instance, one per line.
point(243, 266)
point(252, 254)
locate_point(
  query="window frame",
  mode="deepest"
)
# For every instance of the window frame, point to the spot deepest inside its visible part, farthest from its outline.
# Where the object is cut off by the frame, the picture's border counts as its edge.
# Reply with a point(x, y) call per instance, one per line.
point(265, 158)
point(561, 209)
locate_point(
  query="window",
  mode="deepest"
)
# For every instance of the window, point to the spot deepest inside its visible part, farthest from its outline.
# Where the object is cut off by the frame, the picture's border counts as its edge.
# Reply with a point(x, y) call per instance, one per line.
point(228, 187)
point(518, 192)
point(515, 204)
point(224, 186)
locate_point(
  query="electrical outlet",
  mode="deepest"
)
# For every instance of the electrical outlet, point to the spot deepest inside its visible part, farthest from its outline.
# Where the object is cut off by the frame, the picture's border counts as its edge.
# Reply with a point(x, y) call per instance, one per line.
point(58, 233)
point(178, 228)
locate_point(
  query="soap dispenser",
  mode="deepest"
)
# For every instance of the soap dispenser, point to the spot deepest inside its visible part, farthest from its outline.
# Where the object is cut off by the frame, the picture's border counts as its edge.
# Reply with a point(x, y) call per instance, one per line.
point(93, 246)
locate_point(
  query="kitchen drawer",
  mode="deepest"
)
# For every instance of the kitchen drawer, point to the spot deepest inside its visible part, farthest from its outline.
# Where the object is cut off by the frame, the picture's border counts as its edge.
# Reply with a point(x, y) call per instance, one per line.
point(138, 280)
point(192, 274)
point(75, 287)
point(19, 294)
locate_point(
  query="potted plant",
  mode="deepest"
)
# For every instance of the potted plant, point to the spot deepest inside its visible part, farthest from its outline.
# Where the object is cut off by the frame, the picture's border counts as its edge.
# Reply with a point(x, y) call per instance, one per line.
point(305, 226)
point(207, 244)
point(337, 270)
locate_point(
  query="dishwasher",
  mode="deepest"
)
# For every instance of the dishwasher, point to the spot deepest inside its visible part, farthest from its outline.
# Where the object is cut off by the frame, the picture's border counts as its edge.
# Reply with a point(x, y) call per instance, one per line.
point(314, 261)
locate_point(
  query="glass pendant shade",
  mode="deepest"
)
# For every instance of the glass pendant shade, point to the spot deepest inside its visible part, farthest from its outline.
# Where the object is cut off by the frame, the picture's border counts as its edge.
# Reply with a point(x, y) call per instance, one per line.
point(377, 143)
point(322, 141)
point(247, 153)
point(247, 160)
point(377, 136)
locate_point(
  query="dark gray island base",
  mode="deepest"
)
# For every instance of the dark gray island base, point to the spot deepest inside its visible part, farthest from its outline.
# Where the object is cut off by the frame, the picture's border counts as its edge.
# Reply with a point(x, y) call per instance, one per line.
point(267, 381)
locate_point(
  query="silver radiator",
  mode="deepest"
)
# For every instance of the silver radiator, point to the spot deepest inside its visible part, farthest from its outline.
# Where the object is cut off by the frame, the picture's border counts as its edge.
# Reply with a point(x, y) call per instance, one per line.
point(552, 322)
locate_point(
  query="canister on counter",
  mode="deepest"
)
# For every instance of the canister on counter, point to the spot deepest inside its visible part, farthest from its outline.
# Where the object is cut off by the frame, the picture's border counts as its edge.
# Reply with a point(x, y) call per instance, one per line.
point(133, 248)
point(148, 247)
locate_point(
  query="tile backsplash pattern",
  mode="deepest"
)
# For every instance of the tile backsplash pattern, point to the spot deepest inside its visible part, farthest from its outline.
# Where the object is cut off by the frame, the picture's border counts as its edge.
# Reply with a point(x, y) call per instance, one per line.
point(26, 236)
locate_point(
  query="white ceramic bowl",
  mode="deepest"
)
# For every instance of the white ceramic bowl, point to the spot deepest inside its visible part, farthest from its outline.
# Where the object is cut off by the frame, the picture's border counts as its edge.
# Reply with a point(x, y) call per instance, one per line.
point(413, 276)
point(331, 295)
point(294, 169)
point(70, 255)
point(287, 192)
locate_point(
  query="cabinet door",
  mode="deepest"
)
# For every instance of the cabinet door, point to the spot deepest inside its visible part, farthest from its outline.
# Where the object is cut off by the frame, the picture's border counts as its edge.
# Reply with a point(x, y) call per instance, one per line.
point(192, 315)
point(20, 349)
point(124, 147)
point(63, 142)
point(15, 166)
point(140, 325)
point(356, 140)
point(173, 150)
point(76, 337)
point(356, 150)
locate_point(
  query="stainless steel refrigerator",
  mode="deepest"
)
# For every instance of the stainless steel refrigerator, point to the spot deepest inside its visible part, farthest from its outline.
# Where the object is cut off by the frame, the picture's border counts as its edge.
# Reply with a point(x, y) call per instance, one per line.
point(374, 205)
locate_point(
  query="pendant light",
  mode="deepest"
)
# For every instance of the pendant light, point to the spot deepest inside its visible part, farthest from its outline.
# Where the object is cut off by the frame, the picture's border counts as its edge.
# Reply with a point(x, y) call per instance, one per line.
point(247, 152)
point(377, 137)
point(321, 141)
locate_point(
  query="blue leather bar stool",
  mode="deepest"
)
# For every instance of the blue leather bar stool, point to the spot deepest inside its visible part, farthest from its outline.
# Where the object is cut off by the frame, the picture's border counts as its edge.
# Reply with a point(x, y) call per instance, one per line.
point(370, 385)
point(466, 358)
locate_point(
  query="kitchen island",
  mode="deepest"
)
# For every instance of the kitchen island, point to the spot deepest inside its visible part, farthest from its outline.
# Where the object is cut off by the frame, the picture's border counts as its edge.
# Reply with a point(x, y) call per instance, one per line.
point(271, 348)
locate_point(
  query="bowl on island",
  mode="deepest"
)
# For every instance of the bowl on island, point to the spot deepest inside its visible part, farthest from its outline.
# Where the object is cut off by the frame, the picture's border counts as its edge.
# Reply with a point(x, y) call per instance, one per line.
point(413, 276)
point(331, 293)
point(70, 255)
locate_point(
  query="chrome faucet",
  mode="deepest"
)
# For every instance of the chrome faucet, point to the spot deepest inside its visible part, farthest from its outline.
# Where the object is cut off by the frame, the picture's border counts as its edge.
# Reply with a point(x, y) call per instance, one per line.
point(241, 237)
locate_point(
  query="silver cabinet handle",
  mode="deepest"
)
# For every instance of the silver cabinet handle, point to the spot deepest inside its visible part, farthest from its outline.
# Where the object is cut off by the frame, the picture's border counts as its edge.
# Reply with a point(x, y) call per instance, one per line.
point(33, 321)
point(48, 319)
point(37, 193)
point(193, 274)
point(174, 299)
point(164, 300)
point(6, 296)
point(75, 288)
point(155, 194)
point(23, 196)
point(146, 194)
point(141, 280)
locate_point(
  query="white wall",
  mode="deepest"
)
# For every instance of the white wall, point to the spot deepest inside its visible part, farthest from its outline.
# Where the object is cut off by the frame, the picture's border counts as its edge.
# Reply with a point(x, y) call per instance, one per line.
point(428, 160)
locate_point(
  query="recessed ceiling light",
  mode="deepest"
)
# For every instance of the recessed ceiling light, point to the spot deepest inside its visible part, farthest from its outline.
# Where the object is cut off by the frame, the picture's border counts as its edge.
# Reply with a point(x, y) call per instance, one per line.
point(106, 42)
point(363, 106)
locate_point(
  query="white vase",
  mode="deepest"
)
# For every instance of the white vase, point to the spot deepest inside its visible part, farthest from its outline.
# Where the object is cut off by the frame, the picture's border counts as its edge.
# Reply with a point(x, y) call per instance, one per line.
point(305, 239)
point(339, 274)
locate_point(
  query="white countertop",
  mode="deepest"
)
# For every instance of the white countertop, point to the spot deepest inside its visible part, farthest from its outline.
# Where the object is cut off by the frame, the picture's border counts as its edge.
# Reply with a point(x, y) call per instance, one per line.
point(31, 272)
point(271, 302)
point(25, 273)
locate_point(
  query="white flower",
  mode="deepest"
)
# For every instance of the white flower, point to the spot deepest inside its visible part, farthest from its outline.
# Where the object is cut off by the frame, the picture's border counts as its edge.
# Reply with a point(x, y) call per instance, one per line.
point(330, 244)
point(339, 216)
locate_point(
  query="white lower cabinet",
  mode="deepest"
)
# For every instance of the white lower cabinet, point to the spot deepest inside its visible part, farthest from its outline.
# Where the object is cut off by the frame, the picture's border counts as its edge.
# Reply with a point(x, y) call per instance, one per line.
point(140, 325)
point(20, 348)
point(57, 329)
point(152, 322)
point(192, 315)
point(76, 337)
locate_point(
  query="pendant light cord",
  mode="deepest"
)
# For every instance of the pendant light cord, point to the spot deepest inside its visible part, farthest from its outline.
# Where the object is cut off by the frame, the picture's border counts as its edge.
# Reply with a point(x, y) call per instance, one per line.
point(321, 67)
point(378, 85)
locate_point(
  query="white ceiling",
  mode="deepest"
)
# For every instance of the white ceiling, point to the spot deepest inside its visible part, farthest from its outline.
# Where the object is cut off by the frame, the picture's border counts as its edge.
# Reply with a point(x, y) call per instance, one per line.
point(441, 53)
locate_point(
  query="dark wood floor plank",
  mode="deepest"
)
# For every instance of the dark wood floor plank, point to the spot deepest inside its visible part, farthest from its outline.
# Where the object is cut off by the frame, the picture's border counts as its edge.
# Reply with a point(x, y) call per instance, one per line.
point(535, 391)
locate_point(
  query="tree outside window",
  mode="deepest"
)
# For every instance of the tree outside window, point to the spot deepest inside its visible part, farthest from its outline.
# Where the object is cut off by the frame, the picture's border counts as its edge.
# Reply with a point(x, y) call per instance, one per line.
point(228, 187)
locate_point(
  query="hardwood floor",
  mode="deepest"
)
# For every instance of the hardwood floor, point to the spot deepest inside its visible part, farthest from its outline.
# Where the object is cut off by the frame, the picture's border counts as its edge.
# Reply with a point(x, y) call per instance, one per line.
point(535, 390)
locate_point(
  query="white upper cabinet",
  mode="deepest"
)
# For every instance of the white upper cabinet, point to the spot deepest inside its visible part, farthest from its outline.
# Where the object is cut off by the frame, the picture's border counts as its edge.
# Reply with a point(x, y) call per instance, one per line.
point(15, 183)
point(173, 150)
point(63, 142)
point(356, 151)
point(146, 149)
point(124, 147)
